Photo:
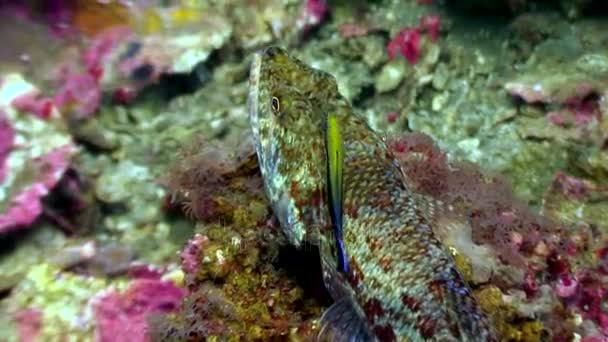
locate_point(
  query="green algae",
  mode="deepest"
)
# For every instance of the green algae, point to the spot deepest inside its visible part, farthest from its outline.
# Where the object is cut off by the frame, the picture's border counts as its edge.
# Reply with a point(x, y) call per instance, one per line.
point(34, 248)
point(63, 298)
point(509, 323)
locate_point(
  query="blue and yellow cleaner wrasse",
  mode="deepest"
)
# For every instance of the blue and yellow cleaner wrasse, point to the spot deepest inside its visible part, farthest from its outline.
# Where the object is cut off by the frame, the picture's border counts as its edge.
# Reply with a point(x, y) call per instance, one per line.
point(400, 284)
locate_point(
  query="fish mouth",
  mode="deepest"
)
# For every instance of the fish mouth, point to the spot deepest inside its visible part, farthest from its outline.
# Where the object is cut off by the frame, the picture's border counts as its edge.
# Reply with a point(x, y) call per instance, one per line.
point(254, 82)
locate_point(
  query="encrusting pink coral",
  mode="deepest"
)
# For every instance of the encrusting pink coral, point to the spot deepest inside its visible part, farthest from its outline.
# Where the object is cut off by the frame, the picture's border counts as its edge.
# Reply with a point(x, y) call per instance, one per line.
point(29, 324)
point(313, 13)
point(104, 45)
point(431, 23)
point(80, 94)
point(34, 103)
point(534, 253)
point(7, 138)
point(191, 254)
point(26, 206)
point(408, 41)
point(123, 316)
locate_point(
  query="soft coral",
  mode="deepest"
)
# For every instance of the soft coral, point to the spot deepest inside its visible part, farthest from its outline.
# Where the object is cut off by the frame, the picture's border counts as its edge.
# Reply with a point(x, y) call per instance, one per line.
point(407, 42)
point(431, 23)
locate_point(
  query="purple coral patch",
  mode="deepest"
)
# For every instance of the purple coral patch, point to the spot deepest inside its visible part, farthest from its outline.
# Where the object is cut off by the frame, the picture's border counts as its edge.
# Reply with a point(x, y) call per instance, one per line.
point(25, 207)
point(191, 255)
point(123, 317)
point(29, 324)
point(7, 137)
point(81, 93)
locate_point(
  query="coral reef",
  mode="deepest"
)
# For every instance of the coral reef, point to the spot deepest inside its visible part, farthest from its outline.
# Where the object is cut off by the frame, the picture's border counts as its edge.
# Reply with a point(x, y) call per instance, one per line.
point(123, 317)
point(50, 303)
point(552, 266)
point(36, 153)
point(130, 201)
point(237, 247)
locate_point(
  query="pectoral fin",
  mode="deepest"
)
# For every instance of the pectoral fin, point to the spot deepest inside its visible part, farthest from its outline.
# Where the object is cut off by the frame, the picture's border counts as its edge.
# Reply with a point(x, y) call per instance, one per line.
point(335, 163)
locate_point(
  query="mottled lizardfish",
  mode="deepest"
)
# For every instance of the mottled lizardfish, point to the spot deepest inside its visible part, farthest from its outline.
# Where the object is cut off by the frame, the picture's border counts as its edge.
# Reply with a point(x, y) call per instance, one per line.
point(331, 180)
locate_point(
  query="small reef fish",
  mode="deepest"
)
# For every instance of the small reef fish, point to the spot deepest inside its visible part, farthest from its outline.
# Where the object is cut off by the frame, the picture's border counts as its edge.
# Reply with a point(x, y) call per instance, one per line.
point(390, 277)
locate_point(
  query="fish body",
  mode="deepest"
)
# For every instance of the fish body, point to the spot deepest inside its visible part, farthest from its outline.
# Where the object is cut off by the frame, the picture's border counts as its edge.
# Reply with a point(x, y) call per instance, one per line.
point(401, 284)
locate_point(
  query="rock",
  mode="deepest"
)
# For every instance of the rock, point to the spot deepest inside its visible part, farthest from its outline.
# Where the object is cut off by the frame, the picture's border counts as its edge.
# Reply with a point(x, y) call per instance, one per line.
point(593, 63)
point(390, 76)
point(116, 185)
point(441, 76)
point(36, 153)
point(32, 249)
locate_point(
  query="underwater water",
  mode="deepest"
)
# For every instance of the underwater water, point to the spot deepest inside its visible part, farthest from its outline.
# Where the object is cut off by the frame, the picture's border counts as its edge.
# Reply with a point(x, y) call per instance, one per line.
point(304, 170)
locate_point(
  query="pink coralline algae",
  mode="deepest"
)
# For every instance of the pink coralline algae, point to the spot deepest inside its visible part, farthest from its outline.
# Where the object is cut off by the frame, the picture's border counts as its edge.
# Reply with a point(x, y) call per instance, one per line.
point(104, 46)
point(124, 95)
point(313, 13)
point(584, 110)
point(29, 324)
point(191, 255)
point(32, 102)
point(534, 93)
point(7, 137)
point(576, 103)
point(26, 206)
point(431, 23)
point(352, 30)
point(588, 297)
point(570, 186)
point(79, 84)
point(566, 286)
point(406, 42)
point(123, 316)
point(576, 111)
point(570, 260)
point(80, 93)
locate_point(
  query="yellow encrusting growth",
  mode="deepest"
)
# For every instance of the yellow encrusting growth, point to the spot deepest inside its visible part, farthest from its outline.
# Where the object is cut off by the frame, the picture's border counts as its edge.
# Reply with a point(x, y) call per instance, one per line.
point(462, 263)
point(510, 325)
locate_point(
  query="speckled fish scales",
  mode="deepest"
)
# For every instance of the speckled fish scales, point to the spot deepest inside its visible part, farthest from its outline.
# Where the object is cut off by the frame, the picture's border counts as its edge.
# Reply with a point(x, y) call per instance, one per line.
point(402, 284)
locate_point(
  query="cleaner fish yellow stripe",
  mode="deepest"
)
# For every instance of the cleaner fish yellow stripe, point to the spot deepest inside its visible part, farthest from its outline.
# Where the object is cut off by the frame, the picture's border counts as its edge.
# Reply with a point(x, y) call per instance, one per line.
point(335, 163)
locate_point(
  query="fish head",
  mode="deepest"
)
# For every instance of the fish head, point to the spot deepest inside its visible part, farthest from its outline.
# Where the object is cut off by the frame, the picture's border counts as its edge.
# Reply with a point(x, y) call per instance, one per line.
point(288, 105)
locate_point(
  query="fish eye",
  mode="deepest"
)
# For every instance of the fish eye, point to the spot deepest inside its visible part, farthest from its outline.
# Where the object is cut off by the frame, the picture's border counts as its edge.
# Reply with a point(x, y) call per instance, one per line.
point(276, 105)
